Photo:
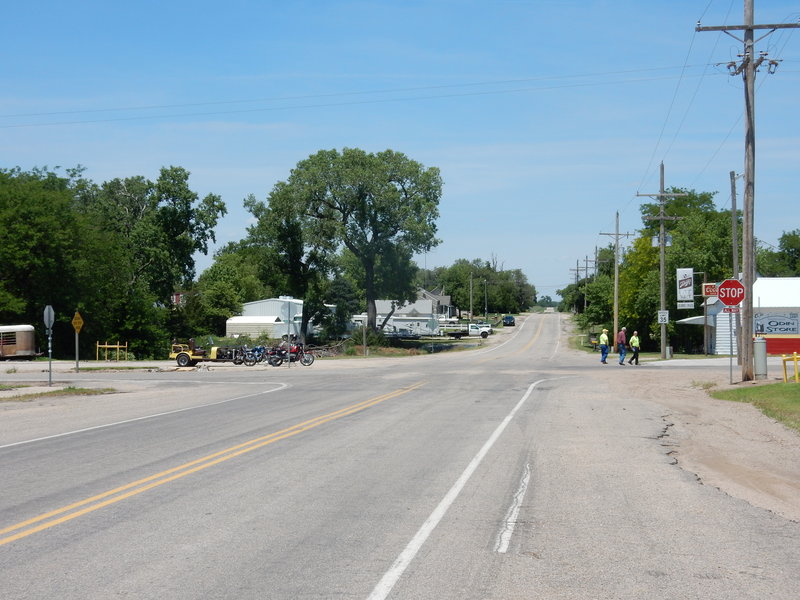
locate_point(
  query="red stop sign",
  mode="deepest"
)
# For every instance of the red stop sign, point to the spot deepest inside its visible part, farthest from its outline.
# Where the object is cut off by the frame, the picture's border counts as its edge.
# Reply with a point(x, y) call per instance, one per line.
point(730, 292)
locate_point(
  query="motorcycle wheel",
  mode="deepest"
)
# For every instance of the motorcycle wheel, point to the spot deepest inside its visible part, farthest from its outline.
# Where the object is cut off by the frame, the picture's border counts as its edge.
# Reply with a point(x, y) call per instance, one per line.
point(306, 359)
point(275, 361)
point(249, 359)
point(238, 360)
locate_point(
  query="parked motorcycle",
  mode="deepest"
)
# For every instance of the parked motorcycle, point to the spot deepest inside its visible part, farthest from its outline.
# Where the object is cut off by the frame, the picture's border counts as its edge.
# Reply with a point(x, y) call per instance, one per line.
point(295, 353)
point(260, 353)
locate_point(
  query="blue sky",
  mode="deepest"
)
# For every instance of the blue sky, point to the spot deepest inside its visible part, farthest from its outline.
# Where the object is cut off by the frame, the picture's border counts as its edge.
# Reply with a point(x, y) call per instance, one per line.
point(545, 117)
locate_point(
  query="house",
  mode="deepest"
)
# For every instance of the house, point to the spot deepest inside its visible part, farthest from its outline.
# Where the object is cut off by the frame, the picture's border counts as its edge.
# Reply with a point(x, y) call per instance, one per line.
point(420, 317)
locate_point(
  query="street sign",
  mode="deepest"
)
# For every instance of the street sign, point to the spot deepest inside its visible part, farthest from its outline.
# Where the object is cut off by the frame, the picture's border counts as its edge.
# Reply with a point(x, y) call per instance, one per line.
point(731, 309)
point(77, 322)
point(663, 317)
point(49, 316)
point(730, 292)
point(685, 305)
point(709, 289)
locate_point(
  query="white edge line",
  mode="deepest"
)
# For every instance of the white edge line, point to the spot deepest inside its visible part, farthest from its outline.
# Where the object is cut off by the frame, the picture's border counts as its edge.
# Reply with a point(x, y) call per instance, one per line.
point(390, 578)
point(163, 414)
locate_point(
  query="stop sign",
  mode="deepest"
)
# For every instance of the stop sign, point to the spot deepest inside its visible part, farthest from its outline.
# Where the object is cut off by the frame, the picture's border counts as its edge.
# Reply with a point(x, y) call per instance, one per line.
point(730, 292)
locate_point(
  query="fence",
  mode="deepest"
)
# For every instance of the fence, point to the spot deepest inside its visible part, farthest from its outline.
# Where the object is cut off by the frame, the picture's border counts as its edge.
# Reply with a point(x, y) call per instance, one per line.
point(106, 347)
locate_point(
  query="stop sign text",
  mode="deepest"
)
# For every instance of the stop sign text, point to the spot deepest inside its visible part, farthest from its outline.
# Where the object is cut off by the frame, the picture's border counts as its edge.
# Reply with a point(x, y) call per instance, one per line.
point(730, 292)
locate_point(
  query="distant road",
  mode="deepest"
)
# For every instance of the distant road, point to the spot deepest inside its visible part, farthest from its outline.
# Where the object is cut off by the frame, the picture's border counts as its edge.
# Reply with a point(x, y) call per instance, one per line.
point(506, 472)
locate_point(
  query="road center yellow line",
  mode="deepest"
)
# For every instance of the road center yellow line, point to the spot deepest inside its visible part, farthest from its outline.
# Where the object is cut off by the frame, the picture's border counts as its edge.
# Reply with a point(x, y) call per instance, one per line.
point(521, 350)
point(98, 501)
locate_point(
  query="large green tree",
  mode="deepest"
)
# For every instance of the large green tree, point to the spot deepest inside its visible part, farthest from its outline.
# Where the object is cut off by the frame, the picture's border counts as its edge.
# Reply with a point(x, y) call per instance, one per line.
point(41, 245)
point(162, 224)
point(301, 252)
point(381, 207)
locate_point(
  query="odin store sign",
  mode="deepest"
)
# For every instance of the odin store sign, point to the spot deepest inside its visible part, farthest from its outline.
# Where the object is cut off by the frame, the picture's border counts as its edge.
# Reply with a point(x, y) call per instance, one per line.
point(785, 323)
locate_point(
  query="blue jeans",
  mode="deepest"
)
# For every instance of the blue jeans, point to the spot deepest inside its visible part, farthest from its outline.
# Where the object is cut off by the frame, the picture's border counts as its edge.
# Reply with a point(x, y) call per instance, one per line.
point(603, 352)
point(621, 349)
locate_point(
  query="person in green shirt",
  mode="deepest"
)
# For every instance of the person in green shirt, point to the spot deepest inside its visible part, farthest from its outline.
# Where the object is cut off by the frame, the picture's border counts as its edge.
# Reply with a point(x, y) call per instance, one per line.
point(634, 359)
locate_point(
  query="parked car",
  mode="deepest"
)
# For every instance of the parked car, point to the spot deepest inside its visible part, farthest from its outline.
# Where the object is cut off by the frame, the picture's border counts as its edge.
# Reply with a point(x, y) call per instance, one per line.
point(508, 321)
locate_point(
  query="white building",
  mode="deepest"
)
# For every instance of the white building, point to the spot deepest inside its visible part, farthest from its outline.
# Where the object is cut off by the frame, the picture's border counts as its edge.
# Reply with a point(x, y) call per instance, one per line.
point(776, 310)
point(269, 318)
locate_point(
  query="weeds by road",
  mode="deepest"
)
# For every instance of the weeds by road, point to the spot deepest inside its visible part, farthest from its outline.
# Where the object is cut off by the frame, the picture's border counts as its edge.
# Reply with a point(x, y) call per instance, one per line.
point(779, 401)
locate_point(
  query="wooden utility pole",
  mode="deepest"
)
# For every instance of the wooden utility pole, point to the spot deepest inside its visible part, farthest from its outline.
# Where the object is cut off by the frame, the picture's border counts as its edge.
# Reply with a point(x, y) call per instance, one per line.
point(616, 235)
point(662, 244)
point(735, 244)
point(577, 270)
point(747, 69)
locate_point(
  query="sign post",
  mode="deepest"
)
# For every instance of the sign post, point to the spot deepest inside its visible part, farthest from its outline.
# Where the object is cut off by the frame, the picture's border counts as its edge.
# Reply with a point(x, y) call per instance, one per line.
point(49, 317)
point(77, 323)
point(731, 293)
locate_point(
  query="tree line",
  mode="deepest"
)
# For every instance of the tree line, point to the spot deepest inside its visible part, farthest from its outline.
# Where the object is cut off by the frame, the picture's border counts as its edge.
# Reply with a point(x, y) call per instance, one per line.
point(340, 231)
point(701, 239)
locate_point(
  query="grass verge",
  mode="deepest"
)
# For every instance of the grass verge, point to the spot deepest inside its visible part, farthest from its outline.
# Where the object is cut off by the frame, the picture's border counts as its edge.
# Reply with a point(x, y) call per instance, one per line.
point(779, 401)
point(67, 391)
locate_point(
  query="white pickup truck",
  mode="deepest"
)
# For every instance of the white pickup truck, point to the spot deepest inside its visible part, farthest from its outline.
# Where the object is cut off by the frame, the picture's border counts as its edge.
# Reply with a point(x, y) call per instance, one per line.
point(469, 329)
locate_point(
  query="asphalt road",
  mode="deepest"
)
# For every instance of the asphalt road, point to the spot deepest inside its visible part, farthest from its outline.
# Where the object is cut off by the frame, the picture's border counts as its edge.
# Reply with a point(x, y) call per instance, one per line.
point(511, 471)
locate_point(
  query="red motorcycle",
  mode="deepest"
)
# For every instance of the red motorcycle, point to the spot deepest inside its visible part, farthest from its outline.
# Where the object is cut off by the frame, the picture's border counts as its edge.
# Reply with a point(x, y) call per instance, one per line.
point(295, 353)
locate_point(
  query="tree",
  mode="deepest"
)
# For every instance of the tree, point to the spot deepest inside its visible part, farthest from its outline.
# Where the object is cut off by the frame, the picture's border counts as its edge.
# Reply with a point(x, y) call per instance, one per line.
point(221, 290)
point(301, 252)
point(701, 239)
point(785, 262)
point(380, 207)
point(155, 228)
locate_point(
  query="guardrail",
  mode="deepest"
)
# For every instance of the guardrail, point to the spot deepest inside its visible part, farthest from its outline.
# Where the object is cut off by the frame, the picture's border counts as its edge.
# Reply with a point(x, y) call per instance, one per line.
point(793, 358)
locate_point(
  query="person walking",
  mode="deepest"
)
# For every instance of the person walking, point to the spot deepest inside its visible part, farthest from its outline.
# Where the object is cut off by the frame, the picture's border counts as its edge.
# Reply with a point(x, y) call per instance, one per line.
point(634, 359)
point(604, 346)
point(622, 342)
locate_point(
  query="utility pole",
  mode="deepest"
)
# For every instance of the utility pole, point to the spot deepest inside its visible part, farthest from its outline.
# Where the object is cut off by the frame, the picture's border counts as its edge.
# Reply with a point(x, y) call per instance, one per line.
point(577, 270)
point(662, 244)
point(747, 69)
point(586, 262)
point(735, 244)
point(597, 261)
point(616, 235)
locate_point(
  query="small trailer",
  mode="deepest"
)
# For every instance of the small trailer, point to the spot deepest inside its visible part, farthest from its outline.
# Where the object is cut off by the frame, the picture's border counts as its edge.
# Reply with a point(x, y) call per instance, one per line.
point(17, 342)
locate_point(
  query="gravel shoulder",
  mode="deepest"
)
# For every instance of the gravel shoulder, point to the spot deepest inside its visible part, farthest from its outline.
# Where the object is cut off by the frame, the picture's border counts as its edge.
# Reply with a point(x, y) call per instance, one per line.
point(729, 445)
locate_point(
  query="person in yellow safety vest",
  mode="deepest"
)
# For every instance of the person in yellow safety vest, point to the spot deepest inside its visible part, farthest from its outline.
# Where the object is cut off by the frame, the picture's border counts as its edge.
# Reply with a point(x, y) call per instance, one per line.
point(604, 346)
point(634, 359)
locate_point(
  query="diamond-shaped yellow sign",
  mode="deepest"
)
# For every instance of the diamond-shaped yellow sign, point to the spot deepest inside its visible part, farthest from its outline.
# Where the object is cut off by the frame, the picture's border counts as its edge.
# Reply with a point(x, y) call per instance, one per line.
point(77, 322)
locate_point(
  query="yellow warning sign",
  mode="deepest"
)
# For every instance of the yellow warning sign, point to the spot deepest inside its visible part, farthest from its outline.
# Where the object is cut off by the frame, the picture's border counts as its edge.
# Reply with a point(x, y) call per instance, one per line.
point(77, 322)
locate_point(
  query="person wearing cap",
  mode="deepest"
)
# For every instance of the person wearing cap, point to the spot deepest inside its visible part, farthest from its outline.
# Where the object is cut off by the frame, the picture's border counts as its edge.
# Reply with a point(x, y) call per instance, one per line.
point(604, 346)
point(635, 343)
point(622, 342)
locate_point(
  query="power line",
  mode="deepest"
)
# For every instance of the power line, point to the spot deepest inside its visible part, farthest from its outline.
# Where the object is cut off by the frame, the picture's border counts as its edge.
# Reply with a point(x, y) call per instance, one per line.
point(605, 82)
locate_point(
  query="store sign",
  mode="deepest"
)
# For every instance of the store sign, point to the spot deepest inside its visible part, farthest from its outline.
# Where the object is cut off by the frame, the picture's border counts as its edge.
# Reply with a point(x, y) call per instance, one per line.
point(787, 323)
point(685, 285)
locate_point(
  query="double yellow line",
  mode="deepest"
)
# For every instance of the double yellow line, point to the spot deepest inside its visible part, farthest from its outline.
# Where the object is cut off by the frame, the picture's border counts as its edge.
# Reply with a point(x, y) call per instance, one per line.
point(98, 501)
